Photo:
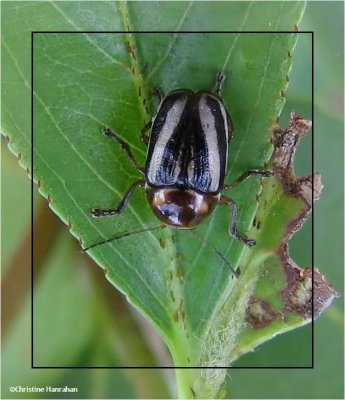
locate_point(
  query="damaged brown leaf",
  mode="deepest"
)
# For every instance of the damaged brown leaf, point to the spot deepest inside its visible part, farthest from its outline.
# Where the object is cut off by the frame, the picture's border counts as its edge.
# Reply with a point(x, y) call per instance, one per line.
point(286, 296)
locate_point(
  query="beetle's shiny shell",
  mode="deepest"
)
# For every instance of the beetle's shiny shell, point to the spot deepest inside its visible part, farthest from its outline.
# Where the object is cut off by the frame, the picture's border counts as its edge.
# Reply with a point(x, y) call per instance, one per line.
point(189, 142)
point(179, 207)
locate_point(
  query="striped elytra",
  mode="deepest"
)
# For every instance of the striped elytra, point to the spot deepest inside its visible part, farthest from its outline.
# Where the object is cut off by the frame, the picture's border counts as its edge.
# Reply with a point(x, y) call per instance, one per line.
point(187, 157)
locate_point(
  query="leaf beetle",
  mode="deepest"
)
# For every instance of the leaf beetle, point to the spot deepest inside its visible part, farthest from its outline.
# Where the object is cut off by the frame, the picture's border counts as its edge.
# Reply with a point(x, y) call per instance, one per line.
point(186, 160)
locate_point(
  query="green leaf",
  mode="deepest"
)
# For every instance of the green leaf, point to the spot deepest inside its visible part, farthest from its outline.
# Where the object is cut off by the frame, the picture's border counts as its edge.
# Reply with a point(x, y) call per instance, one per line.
point(83, 82)
point(65, 124)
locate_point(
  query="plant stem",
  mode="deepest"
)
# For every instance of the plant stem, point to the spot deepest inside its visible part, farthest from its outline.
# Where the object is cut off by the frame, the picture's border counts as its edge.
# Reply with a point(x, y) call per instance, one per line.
point(185, 379)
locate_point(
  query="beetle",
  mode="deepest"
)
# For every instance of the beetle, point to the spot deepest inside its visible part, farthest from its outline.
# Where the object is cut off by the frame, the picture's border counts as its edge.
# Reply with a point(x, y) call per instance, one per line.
point(186, 160)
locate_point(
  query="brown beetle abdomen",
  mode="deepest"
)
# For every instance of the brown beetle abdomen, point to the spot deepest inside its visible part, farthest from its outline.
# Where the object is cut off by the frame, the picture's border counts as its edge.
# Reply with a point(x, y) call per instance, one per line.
point(180, 208)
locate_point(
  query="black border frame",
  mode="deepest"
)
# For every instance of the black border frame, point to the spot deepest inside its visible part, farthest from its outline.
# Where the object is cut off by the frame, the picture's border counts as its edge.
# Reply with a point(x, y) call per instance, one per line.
point(32, 202)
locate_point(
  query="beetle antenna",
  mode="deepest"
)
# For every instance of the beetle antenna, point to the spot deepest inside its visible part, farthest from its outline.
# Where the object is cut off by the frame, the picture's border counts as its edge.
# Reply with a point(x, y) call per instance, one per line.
point(125, 234)
point(212, 247)
point(220, 78)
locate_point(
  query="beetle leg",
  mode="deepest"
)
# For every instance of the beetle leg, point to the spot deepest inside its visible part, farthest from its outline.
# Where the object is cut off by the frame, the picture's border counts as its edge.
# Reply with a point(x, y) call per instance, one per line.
point(126, 149)
point(256, 172)
point(105, 212)
point(233, 224)
point(143, 136)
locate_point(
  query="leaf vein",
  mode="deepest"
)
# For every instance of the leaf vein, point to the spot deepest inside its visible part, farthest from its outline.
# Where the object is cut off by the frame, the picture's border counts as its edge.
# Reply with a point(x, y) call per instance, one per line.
point(80, 156)
point(87, 218)
point(173, 41)
point(88, 38)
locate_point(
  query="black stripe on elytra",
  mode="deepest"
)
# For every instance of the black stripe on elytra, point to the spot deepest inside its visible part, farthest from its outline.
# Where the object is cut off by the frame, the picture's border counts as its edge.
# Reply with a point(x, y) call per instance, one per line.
point(172, 152)
point(201, 179)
